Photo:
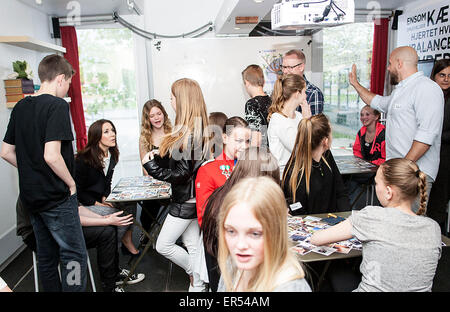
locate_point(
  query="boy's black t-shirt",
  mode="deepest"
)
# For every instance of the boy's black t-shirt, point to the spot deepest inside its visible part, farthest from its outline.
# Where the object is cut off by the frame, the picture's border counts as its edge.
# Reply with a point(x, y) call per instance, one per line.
point(34, 121)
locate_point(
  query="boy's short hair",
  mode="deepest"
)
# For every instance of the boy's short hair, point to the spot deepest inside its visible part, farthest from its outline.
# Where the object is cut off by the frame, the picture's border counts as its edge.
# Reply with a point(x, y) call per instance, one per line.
point(218, 118)
point(254, 75)
point(54, 65)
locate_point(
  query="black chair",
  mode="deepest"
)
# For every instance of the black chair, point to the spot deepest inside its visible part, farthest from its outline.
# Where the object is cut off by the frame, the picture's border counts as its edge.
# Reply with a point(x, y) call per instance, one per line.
point(441, 280)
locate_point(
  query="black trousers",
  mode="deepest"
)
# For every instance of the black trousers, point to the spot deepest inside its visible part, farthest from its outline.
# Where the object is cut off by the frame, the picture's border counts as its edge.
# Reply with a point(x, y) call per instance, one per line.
point(104, 239)
point(213, 271)
point(440, 192)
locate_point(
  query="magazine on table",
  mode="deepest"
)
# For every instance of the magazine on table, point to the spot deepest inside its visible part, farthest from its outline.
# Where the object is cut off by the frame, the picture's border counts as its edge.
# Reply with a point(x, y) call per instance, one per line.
point(139, 188)
point(301, 229)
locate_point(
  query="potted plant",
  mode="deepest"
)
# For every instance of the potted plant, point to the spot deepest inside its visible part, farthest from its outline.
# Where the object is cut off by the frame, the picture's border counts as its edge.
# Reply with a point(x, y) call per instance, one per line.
point(22, 70)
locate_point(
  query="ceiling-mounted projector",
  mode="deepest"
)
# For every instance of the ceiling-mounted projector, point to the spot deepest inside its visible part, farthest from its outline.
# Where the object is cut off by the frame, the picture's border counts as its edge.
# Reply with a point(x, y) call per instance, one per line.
point(297, 14)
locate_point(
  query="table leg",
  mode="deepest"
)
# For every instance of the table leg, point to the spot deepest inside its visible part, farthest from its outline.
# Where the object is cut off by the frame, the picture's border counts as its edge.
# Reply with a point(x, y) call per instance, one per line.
point(356, 199)
point(322, 276)
point(138, 260)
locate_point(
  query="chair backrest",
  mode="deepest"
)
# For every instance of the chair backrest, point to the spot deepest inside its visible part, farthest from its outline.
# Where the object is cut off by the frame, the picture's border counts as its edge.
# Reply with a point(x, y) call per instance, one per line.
point(36, 278)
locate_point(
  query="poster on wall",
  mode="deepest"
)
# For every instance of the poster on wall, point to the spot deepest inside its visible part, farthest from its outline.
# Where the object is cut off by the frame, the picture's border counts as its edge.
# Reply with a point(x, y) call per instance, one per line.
point(426, 29)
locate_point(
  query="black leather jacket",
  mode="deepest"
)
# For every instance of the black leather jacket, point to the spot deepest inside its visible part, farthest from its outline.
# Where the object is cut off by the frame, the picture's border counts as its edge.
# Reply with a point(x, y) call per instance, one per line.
point(181, 175)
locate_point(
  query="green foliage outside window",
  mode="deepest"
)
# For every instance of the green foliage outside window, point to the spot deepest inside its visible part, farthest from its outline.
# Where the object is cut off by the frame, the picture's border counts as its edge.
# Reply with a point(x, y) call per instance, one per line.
point(107, 77)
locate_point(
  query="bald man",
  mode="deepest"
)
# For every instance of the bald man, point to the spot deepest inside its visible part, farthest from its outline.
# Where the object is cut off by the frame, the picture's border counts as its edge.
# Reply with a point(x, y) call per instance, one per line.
point(294, 63)
point(414, 113)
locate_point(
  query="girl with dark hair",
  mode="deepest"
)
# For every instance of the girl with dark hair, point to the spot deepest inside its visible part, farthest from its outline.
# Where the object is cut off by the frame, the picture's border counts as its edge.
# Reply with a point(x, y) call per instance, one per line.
point(288, 94)
point(214, 173)
point(311, 180)
point(401, 248)
point(253, 163)
point(440, 192)
point(94, 168)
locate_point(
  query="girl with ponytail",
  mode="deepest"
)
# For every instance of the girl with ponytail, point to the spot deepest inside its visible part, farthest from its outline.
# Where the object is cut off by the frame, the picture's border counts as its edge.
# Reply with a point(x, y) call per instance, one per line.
point(311, 180)
point(401, 248)
point(289, 93)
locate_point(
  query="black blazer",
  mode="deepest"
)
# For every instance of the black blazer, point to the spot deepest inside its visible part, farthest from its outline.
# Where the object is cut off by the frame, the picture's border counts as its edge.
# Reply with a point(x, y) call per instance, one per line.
point(92, 184)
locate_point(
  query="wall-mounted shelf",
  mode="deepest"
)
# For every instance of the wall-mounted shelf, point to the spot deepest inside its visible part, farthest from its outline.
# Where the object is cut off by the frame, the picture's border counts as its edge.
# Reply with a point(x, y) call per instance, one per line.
point(31, 43)
point(12, 104)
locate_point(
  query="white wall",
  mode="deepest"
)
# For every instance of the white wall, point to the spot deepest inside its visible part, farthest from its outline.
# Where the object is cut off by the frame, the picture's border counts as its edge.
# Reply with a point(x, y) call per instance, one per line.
point(172, 17)
point(175, 17)
point(216, 64)
point(15, 19)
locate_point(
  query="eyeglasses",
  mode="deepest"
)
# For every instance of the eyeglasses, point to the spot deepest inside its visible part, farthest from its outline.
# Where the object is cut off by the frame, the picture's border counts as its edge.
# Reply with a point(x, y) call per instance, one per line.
point(290, 67)
point(442, 75)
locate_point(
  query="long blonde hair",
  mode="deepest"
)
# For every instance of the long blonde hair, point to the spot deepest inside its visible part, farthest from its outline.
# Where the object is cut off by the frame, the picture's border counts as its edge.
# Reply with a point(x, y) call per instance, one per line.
point(311, 132)
point(146, 126)
point(284, 88)
point(406, 176)
point(191, 121)
point(268, 205)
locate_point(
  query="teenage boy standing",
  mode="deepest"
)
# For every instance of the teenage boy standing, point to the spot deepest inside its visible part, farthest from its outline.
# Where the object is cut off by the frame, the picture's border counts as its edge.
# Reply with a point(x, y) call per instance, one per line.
point(38, 141)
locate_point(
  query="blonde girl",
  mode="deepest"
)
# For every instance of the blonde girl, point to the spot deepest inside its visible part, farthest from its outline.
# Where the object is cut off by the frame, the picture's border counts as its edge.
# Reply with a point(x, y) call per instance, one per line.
point(254, 251)
point(311, 180)
point(401, 248)
point(155, 124)
point(180, 155)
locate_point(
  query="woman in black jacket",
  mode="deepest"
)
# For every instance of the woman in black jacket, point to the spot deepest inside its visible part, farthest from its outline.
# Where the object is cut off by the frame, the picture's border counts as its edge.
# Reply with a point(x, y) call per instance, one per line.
point(311, 181)
point(94, 168)
point(180, 155)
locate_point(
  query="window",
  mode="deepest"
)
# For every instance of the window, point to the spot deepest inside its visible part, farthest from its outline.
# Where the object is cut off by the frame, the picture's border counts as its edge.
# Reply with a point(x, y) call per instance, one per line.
point(108, 86)
point(343, 46)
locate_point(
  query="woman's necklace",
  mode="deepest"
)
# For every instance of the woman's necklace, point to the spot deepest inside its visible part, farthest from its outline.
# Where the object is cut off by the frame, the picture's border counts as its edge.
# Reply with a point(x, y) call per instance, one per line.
point(319, 167)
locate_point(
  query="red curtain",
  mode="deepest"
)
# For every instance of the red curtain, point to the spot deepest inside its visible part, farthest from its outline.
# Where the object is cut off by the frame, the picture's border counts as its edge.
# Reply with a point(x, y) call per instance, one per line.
point(69, 41)
point(379, 55)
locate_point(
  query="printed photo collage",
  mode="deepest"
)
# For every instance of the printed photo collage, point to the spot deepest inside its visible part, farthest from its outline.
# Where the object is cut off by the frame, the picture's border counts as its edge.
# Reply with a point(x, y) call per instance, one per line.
point(139, 188)
point(354, 164)
point(300, 230)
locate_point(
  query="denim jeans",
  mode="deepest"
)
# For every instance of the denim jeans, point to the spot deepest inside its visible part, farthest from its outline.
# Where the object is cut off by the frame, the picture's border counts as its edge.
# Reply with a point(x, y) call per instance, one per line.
point(59, 239)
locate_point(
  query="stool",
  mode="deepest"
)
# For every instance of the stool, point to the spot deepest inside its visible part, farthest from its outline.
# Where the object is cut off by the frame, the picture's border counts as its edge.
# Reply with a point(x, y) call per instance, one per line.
point(36, 280)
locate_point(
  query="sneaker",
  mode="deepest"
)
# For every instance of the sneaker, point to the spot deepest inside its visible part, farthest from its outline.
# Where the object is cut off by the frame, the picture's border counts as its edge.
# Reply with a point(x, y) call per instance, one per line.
point(135, 278)
point(199, 288)
point(119, 289)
